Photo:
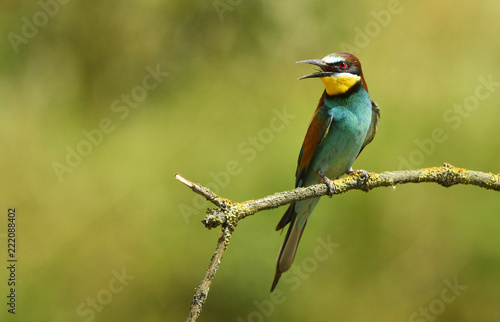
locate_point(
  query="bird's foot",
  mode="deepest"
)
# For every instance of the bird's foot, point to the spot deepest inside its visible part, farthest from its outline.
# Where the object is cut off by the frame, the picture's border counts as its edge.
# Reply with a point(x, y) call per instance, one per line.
point(328, 182)
point(363, 173)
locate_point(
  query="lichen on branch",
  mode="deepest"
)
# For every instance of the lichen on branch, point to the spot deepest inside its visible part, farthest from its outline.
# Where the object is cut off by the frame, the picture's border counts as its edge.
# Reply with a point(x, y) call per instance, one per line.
point(446, 175)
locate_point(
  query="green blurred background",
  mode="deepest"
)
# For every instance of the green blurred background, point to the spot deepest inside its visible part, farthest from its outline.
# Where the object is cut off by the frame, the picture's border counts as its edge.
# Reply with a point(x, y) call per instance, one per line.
point(413, 253)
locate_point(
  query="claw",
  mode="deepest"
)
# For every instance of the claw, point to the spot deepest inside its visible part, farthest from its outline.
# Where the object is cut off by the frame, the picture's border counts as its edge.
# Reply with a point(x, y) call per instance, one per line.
point(328, 182)
point(362, 173)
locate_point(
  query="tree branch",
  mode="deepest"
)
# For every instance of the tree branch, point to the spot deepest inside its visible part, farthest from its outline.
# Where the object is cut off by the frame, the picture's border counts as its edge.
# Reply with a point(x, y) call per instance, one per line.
point(225, 235)
point(228, 212)
point(202, 292)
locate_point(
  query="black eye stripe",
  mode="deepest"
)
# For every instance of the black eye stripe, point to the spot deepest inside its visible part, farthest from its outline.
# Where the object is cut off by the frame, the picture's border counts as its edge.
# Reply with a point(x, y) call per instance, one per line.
point(341, 65)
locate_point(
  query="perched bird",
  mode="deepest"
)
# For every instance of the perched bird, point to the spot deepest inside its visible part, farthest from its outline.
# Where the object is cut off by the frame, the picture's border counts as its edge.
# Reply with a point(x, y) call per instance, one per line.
point(344, 122)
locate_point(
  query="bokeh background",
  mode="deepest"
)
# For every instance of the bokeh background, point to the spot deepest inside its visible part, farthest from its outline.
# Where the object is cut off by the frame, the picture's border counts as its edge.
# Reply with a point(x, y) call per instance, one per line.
point(225, 70)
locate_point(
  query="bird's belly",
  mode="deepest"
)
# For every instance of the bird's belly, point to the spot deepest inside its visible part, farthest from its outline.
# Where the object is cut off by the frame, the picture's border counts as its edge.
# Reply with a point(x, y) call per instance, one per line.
point(339, 150)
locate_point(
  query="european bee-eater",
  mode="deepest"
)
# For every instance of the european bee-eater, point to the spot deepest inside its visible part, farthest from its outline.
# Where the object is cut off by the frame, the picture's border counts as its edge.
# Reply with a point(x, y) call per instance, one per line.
point(344, 122)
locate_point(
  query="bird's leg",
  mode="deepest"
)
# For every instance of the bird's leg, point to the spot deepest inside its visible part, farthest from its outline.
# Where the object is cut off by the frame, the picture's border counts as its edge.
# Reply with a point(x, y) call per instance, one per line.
point(363, 173)
point(328, 182)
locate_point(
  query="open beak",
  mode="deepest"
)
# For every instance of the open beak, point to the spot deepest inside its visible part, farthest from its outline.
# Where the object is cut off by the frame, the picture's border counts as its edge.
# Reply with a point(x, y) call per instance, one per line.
point(320, 64)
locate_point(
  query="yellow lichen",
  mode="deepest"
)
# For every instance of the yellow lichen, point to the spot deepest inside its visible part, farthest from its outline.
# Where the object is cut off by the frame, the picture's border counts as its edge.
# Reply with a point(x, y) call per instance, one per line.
point(447, 175)
point(494, 182)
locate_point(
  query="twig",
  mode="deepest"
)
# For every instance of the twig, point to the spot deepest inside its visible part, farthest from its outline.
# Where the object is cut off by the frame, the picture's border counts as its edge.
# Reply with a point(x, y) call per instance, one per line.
point(224, 238)
point(228, 212)
point(205, 192)
point(202, 292)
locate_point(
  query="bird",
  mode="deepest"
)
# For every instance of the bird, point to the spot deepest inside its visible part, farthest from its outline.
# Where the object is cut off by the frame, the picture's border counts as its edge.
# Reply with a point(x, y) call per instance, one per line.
point(344, 122)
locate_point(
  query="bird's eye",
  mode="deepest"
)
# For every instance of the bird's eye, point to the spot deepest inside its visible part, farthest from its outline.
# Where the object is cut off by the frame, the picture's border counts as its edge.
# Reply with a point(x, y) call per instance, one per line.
point(343, 65)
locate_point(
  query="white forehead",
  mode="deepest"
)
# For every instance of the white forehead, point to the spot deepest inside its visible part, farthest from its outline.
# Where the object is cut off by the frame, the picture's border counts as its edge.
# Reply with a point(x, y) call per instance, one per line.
point(332, 59)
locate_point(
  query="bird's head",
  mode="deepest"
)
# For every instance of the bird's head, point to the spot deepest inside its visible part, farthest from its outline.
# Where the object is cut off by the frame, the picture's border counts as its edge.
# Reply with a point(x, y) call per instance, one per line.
point(339, 72)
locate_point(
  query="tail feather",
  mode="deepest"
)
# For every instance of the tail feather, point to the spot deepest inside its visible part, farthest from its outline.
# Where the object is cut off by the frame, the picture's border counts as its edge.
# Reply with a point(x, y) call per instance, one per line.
point(276, 279)
point(287, 251)
point(297, 215)
point(287, 217)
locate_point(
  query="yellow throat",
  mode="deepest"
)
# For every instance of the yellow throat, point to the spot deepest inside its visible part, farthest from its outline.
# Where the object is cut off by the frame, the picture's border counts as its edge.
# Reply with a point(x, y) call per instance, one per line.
point(340, 83)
